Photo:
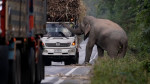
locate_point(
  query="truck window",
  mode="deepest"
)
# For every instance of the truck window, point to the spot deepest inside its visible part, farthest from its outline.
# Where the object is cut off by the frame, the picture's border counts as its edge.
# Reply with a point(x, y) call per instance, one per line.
point(56, 30)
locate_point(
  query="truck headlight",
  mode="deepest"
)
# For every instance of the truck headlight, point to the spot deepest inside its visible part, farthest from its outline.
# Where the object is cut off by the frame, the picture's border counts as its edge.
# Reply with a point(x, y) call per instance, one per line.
point(45, 51)
point(71, 50)
point(74, 43)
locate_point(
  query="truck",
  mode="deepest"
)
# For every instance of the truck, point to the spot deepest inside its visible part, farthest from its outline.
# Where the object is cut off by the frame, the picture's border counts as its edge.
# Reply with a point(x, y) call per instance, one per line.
point(60, 45)
point(22, 24)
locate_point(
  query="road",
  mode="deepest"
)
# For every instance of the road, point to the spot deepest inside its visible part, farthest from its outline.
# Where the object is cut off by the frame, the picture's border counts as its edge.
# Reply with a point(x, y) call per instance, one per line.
point(59, 73)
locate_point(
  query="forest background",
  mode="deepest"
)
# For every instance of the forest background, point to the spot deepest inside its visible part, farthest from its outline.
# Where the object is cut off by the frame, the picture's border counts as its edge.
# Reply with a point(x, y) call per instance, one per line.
point(134, 17)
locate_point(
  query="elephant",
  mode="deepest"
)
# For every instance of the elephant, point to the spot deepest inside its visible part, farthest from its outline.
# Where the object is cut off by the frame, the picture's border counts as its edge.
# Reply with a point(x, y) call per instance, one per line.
point(106, 34)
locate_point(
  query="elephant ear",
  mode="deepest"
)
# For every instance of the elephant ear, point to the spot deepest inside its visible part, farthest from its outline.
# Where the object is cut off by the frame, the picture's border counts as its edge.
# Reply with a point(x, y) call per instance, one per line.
point(88, 28)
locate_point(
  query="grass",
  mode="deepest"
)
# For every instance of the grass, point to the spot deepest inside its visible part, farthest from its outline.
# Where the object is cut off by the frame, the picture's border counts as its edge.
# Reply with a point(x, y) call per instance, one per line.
point(127, 70)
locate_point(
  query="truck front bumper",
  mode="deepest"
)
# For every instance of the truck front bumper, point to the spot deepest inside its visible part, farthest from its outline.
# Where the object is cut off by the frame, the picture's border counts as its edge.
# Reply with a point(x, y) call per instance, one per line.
point(59, 54)
point(59, 51)
point(58, 58)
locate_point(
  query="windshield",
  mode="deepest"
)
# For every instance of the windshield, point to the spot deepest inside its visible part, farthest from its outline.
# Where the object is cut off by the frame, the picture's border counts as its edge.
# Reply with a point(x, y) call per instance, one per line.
point(57, 30)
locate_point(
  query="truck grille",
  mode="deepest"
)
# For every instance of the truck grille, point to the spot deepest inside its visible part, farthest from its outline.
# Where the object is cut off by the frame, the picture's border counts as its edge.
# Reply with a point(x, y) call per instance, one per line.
point(57, 44)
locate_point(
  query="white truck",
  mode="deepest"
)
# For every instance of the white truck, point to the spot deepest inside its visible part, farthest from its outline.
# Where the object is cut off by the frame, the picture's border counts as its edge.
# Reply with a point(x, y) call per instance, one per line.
point(60, 44)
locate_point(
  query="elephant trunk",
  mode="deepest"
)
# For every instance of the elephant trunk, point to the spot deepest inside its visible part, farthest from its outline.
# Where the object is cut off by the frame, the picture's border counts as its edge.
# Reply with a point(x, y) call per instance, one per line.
point(76, 31)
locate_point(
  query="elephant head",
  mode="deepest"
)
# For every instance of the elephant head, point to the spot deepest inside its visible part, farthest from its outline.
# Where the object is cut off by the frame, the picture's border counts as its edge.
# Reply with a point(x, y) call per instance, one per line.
point(84, 26)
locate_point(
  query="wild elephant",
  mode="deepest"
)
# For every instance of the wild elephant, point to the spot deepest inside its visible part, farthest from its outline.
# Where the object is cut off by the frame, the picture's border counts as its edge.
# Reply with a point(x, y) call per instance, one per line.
point(106, 34)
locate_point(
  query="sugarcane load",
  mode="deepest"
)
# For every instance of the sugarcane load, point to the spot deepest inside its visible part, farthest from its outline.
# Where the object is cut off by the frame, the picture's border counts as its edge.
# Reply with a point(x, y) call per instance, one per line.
point(65, 10)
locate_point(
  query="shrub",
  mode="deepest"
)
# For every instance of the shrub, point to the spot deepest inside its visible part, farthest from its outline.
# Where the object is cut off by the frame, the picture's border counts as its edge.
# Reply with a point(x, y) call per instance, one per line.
point(128, 70)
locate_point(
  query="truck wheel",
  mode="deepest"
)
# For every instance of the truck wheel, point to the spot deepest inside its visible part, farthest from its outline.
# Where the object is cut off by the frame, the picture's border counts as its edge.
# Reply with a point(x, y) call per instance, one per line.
point(42, 65)
point(47, 62)
point(18, 66)
point(4, 64)
point(15, 69)
point(77, 58)
point(67, 62)
point(39, 68)
point(31, 59)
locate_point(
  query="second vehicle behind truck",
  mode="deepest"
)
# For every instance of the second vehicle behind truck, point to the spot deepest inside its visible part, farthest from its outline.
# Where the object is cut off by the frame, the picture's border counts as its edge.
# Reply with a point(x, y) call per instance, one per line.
point(60, 44)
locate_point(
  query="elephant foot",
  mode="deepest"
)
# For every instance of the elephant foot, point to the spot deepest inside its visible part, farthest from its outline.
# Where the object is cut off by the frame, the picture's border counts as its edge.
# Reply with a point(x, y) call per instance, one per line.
point(86, 64)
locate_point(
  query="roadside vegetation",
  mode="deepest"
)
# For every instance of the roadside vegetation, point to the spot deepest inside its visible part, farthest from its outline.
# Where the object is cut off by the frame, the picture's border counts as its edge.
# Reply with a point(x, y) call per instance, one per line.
point(134, 17)
point(128, 70)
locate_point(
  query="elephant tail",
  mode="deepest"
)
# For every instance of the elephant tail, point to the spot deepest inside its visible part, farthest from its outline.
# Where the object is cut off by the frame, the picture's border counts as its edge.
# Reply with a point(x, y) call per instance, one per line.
point(122, 48)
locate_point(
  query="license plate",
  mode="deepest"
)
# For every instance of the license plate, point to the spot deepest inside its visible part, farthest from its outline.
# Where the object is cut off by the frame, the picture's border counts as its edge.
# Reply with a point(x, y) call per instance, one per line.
point(57, 51)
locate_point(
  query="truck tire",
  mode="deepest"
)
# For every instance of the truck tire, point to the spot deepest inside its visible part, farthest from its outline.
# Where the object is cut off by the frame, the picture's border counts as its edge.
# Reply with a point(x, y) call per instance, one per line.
point(47, 62)
point(4, 64)
point(31, 60)
point(39, 68)
point(42, 65)
point(73, 60)
point(18, 66)
point(25, 69)
point(77, 58)
point(15, 69)
point(67, 62)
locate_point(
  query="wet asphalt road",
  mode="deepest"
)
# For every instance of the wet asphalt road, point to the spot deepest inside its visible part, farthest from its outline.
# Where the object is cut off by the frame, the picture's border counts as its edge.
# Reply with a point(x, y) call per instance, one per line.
point(58, 73)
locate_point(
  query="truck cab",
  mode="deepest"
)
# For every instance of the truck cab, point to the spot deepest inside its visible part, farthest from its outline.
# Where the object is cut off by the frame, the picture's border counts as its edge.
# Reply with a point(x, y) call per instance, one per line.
point(60, 44)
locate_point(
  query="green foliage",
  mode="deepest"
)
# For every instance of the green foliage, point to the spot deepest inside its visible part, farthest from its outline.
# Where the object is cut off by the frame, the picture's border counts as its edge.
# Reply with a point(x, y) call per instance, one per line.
point(143, 18)
point(127, 70)
point(134, 17)
point(119, 11)
point(91, 6)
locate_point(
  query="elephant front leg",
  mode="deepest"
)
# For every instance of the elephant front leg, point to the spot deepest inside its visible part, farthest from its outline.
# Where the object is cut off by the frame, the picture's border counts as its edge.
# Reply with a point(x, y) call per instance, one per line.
point(89, 48)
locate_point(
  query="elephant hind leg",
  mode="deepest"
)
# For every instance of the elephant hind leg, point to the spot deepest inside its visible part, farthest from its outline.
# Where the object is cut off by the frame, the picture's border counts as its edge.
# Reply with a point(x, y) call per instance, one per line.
point(100, 51)
point(122, 49)
point(112, 53)
point(116, 52)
